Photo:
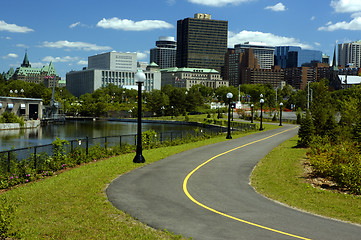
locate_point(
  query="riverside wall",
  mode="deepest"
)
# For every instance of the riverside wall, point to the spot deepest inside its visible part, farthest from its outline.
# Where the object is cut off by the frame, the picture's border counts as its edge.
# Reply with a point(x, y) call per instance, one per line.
point(27, 124)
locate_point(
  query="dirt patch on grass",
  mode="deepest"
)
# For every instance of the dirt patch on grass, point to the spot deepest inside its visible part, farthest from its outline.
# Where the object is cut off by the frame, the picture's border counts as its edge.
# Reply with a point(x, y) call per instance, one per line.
point(324, 183)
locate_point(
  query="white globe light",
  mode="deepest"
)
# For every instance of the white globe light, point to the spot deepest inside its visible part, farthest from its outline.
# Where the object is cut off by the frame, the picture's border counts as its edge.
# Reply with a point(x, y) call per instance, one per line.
point(139, 77)
point(261, 101)
point(229, 95)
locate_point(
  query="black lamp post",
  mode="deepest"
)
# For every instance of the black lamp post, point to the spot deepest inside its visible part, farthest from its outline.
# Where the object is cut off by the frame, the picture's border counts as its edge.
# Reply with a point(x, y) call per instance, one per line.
point(252, 113)
point(229, 96)
point(281, 105)
point(261, 101)
point(139, 79)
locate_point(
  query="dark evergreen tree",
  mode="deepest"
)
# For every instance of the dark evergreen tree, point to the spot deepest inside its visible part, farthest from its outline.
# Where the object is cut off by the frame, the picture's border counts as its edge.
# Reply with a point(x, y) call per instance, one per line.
point(306, 131)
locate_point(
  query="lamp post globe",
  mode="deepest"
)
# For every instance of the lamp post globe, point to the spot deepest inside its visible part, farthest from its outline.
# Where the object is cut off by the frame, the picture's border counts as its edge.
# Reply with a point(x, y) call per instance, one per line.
point(261, 102)
point(229, 96)
point(139, 79)
point(281, 105)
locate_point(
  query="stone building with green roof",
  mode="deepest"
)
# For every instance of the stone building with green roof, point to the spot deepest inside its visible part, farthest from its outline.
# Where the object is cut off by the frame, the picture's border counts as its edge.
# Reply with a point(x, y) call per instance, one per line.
point(188, 77)
point(34, 75)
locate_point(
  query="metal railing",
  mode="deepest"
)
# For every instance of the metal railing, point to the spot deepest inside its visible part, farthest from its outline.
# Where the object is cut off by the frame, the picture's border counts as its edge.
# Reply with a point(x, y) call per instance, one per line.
point(38, 154)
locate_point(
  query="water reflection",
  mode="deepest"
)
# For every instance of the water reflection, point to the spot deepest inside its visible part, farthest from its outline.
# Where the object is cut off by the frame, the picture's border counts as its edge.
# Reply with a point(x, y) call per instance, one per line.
point(77, 129)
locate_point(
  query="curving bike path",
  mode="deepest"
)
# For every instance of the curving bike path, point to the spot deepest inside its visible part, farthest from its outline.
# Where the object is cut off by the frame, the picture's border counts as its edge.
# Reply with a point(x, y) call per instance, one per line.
point(204, 193)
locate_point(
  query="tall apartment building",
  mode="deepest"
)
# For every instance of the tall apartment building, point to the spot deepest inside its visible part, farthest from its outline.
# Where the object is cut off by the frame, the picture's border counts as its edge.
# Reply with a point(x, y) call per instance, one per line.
point(263, 53)
point(349, 54)
point(201, 42)
point(243, 68)
point(291, 56)
point(299, 77)
point(165, 53)
point(236, 63)
point(114, 61)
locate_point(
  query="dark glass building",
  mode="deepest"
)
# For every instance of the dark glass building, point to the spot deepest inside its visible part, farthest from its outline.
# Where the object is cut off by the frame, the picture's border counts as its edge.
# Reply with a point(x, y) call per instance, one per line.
point(291, 56)
point(201, 42)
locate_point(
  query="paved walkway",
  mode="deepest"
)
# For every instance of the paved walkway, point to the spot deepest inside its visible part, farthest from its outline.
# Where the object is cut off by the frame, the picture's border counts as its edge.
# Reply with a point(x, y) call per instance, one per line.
point(205, 194)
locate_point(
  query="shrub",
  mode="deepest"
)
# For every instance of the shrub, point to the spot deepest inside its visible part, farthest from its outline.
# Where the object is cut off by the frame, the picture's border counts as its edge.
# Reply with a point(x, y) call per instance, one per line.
point(7, 211)
point(341, 162)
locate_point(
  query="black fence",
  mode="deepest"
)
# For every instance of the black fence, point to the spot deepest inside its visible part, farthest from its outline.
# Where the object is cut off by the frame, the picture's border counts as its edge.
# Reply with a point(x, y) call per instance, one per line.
point(39, 154)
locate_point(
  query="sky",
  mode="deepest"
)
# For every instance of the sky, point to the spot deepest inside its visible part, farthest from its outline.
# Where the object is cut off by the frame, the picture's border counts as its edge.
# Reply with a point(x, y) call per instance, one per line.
point(68, 32)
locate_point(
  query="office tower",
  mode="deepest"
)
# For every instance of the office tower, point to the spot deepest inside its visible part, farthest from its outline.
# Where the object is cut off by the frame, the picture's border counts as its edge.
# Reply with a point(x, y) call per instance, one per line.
point(349, 54)
point(114, 61)
point(292, 56)
point(263, 53)
point(165, 53)
point(201, 42)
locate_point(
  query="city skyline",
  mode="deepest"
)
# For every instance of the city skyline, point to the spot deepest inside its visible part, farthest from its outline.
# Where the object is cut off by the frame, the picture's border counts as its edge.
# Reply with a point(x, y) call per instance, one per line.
point(67, 32)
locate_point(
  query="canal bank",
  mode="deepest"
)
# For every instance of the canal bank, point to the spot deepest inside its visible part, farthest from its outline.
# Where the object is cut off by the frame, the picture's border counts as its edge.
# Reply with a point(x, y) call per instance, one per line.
point(14, 126)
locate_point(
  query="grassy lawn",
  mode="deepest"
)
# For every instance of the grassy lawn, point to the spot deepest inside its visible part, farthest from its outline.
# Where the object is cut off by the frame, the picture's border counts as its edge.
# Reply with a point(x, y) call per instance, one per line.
point(280, 176)
point(73, 204)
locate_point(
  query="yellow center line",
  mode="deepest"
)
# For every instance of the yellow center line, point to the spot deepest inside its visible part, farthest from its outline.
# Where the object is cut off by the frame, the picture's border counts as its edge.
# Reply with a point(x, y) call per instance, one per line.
point(185, 189)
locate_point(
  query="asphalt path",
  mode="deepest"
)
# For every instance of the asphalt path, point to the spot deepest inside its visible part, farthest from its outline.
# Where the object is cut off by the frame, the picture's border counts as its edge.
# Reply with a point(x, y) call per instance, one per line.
point(204, 193)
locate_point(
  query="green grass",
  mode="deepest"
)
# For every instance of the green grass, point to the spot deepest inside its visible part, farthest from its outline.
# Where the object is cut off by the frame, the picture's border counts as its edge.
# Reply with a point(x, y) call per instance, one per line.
point(73, 204)
point(279, 176)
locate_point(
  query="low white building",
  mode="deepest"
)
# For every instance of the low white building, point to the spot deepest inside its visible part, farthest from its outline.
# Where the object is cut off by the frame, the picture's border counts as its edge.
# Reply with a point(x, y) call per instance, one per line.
point(188, 77)
point(89, 80)
point(349, 80)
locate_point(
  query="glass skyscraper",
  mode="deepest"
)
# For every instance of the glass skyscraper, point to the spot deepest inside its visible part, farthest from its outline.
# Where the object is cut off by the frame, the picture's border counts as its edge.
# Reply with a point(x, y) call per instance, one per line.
point(292, 56)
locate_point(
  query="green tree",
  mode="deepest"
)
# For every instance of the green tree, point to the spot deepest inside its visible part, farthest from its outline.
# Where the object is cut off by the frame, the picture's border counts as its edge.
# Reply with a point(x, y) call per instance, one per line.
point(322, 106)
point(306, 131)
point(156, 100)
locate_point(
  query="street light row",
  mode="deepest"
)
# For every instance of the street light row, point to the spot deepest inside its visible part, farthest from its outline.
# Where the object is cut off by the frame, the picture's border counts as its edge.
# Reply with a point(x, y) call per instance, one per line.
point(140, 78)
point(261, 101)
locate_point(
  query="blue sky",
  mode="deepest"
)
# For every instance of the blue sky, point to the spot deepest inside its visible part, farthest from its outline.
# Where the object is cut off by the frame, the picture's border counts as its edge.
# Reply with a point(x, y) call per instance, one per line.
point(67, 32)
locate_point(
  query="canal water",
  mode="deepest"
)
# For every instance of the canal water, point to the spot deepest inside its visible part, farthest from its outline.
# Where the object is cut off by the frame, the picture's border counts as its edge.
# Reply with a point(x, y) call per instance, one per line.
point(72, 130)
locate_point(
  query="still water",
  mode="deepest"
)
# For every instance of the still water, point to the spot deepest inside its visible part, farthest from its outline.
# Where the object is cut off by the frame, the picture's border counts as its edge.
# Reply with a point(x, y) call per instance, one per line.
point(78, 129)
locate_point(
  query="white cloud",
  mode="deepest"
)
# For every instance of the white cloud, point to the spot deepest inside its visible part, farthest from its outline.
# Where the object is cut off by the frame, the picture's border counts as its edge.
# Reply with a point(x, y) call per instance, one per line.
point(74, 25)
point(354, 24)
point(22, 45)
point(317, 44)
point(76, 45)
point(312, 18)
point(142, 55)
point(218, 3)
point(279, 7)
point(171, 2)
point(37, 65)
point(78, 24)
point(129, 25)
point(269, 39)
point(82, 62)
point(60, 59)
point(10, 55)
point(13, 28)
point(346, 5)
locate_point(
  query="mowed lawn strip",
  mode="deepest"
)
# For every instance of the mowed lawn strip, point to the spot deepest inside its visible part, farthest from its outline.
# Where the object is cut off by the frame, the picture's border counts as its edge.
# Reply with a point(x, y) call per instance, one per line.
point(280, 176)
point(73, 204)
